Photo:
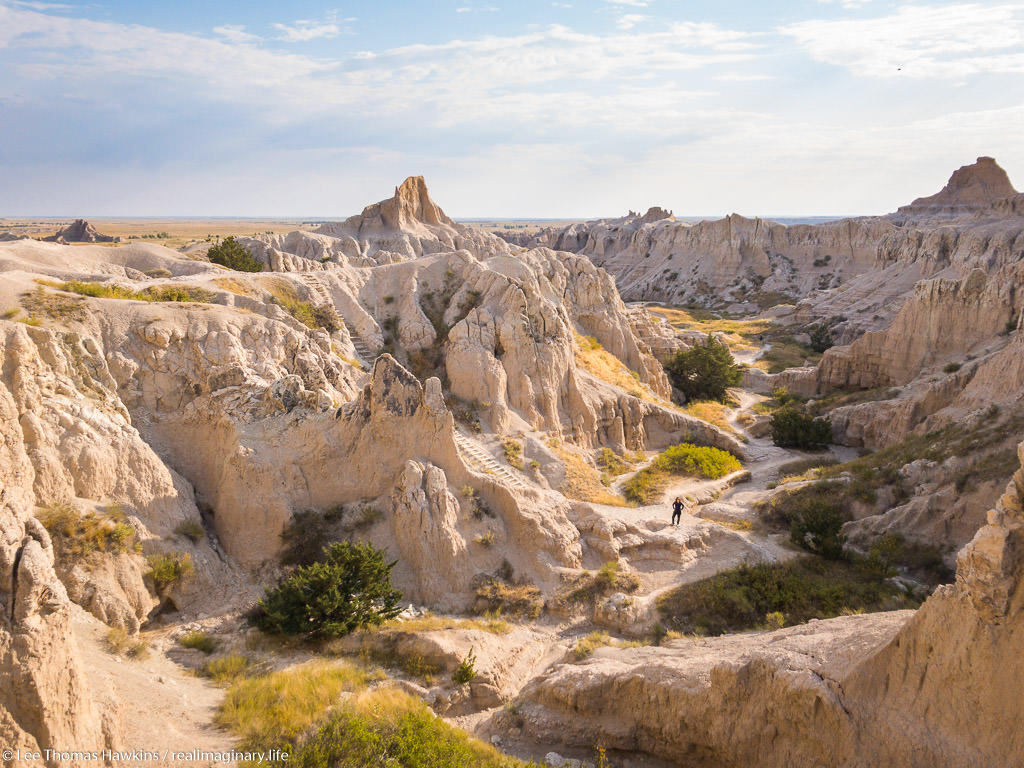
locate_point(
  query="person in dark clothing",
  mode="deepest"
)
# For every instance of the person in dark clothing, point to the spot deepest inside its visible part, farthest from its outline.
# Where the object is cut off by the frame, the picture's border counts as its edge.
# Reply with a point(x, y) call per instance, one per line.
point(677, 511)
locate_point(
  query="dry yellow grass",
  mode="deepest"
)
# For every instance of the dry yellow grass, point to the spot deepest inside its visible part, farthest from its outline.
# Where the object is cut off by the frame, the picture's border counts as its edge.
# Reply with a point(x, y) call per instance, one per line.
point(740, 334)
point(595, 359)
point(431, 623)
point(582, 481)
point(713, 413)
point(234, 285)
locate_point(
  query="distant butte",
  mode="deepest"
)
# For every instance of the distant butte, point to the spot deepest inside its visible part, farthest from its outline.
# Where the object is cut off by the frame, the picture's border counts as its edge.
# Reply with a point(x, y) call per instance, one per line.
point(970, 188)
point(80, 231)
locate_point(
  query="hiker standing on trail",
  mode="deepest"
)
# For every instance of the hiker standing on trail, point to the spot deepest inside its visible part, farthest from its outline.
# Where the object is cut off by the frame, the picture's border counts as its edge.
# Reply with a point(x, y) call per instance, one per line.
point(677, 511)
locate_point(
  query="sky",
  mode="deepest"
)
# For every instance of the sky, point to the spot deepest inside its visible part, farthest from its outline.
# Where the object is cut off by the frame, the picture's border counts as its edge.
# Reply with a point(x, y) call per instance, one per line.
point(508, 109)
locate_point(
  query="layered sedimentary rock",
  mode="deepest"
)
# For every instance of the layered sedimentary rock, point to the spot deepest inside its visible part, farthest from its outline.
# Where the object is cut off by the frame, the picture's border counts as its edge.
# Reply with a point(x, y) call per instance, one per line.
point(971, 188)
point(273, 394)
point(80, 231)
point(855, 272)
point(944, 320)
point(934, 688)
point(406, 226)
point(44, 699)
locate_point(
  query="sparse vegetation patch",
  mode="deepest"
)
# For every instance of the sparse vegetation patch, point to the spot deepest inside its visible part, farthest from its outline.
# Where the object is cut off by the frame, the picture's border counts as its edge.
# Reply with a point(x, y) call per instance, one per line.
point(647, 485)
point(78, 536)
point(801, 589)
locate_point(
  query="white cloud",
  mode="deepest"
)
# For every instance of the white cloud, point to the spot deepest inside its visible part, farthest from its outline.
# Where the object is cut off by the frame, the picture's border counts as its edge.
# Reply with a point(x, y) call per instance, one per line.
point(630, 20)
point(234, 33)
point(849, 4)
point(743, 77)
point(303, 30)
point(633, 3)
point(951, 41)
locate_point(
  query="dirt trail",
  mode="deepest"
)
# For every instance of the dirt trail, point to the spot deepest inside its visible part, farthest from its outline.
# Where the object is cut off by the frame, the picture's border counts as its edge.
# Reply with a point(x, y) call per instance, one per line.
point(721, 530)
point(161, 706)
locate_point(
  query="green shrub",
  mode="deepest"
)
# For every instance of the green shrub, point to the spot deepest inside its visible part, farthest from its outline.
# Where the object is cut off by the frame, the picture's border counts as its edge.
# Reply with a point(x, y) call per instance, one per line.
point(816, 526)
point(821, 337)
point(168, 569)
point(190, 529)
point(513, 450)
point(699, 460)
point(465, 671)
point(951, 367)
point(232, 254)
point(801, 589)
point(683, 459)
point(891, 553)
point(392, 728)
point(705, 371)
point(794, 429)
point(349, 589)
point(200, 641)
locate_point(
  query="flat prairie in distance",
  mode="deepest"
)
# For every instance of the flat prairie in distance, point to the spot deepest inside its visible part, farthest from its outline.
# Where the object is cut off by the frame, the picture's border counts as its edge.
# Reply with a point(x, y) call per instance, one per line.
point(172, 232)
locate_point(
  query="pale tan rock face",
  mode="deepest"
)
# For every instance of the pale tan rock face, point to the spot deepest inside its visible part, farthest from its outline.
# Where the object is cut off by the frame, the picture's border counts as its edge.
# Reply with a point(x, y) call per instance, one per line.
point(425, 520)
point(409, 225)
point(44, 699)
point(69, 440)
point(944, 318)
point(970, 188)
point(938, 689)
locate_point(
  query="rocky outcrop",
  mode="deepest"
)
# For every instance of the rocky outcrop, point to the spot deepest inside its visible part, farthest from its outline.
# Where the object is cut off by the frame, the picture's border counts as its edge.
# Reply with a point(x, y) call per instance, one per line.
point(72, 443)
point(855, 273)
point(945, 320)
point(80, 231)
point(934, 690)
point(44, 699)
point(409, 225)
point(425, 524)
point(970, 189)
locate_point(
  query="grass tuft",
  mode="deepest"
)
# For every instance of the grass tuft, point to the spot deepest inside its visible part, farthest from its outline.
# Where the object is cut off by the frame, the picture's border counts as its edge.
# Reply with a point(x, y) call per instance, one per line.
point(200, 641)
point(226, 669)
point(119, 641)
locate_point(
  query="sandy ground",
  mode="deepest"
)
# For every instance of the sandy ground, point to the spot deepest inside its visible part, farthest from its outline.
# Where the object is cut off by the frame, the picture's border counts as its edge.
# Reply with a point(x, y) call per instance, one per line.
point(161, 706)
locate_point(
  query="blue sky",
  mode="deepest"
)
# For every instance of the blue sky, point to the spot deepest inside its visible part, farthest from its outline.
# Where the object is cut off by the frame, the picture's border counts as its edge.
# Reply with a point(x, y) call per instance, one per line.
point(544, 109)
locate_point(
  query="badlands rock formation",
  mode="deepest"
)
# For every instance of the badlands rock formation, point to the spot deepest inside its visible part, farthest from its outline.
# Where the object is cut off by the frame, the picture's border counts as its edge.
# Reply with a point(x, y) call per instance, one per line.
point(79, 231)
point(860, 269)
point(970, 189)
point(232, 412)
point(935, 688)
point(381, 369)
point(44, 700)
point(407, 226)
